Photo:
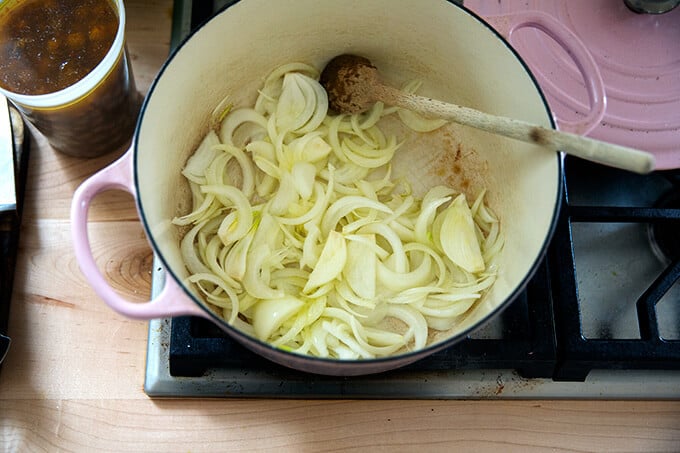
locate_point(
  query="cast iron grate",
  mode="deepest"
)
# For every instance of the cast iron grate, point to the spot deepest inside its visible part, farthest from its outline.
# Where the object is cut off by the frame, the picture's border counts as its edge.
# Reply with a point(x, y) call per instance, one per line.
point(578, 355)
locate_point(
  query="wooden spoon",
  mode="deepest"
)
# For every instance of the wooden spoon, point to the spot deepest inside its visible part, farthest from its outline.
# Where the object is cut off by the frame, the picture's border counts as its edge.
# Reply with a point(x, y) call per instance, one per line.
point(353, 86)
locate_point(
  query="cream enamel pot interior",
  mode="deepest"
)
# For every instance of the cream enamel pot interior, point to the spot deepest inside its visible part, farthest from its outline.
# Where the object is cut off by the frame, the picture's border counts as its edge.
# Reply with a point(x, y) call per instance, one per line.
point(459, 57)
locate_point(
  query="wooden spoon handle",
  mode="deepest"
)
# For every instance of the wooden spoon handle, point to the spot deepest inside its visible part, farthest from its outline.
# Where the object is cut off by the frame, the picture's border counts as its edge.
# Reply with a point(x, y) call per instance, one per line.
point(576, 145)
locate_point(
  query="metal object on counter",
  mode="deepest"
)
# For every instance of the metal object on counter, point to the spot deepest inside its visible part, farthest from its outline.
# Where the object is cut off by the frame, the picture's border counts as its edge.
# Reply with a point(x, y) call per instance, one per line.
point(13, 168)
point(8, 199)
point(8, 205)
point(5, 341)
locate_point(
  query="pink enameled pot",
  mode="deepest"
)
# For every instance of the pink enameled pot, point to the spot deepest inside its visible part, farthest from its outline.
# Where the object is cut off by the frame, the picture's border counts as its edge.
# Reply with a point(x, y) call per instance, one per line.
point(459, 57)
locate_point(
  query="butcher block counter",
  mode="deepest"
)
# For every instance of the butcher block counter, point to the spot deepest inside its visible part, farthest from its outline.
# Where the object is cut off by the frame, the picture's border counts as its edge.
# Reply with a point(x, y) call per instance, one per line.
point(73, 379)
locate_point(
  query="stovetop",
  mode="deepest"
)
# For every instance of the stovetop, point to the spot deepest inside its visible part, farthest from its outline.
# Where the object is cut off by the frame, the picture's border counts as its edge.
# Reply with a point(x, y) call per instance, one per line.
point(600, 319)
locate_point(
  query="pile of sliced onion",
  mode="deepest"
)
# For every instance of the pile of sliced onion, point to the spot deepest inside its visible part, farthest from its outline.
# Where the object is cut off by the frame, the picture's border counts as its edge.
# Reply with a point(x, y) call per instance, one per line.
point(299, 236)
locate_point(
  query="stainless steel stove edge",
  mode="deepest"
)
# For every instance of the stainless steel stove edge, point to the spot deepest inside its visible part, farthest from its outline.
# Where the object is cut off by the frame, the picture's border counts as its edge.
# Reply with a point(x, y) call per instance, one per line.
point(467, 384)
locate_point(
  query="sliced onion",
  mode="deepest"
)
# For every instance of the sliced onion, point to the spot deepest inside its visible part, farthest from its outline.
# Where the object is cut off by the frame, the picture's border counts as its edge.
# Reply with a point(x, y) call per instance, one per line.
point(304, 174)
point(398, 281)
point(418, 122)
point(346, 205)
point(296, 104)
point(255, 278)
point(315, 248)
point(362, 262)
point(235, 263)
point(269, 314)
point(194, 170)
point(246, 166)
point(331, 262)
point(310, 147)
point(230, 303)
point(238, 118)
point(458, 238)
point(414, 320)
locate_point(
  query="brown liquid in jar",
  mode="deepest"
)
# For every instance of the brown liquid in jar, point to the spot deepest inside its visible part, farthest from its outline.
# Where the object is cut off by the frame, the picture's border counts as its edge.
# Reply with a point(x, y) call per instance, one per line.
point(48, 45)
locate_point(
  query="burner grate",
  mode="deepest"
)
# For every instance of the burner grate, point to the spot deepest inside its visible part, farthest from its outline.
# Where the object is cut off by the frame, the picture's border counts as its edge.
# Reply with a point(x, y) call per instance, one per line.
point(664, 235)
point(578, 355)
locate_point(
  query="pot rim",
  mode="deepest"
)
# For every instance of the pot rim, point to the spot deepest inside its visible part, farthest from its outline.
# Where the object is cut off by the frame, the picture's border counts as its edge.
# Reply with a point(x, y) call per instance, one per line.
point(355, 363)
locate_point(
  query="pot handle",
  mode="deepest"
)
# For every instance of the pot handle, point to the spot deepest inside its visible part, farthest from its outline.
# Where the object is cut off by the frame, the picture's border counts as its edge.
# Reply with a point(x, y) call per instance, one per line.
point(170, 301)
point(507, 24)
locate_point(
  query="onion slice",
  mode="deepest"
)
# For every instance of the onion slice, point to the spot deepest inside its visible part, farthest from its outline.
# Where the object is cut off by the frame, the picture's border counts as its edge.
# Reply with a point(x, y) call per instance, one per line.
point(458, 238)
point(331, 262)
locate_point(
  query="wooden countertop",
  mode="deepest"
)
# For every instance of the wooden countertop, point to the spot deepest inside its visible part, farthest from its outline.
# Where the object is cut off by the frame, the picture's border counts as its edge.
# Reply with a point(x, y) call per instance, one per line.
point(73, 378)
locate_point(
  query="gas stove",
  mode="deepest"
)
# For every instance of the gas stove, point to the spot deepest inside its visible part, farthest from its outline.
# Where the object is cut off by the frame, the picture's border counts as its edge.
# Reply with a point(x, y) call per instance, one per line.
point(600, 319)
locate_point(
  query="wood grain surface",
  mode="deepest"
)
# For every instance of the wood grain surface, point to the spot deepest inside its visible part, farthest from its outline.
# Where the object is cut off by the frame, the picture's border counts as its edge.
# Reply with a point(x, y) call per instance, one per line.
point(73, 378)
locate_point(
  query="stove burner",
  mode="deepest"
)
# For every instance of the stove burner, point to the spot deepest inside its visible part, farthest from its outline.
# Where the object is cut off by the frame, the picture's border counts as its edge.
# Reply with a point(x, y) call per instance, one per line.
point(664, 237)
